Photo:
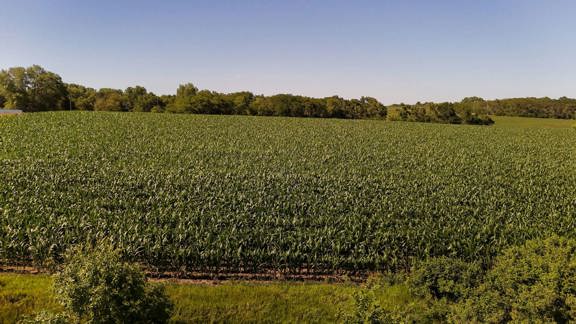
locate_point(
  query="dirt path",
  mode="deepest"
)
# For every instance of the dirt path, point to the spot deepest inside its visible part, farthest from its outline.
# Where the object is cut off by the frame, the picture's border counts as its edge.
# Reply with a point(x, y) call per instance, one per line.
point(203, 278)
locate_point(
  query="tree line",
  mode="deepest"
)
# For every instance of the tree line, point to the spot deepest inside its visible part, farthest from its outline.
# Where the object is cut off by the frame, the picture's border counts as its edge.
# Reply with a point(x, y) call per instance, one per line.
point(446, 112)
point(34, 89)
point(475, 110)
point(562, 108)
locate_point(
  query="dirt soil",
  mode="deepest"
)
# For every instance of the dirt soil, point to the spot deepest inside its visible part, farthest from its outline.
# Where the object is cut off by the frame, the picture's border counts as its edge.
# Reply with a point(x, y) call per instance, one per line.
point(203, 278)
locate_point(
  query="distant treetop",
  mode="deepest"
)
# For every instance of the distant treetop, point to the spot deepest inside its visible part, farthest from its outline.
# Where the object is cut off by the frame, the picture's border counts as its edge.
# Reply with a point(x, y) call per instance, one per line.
point(35, 89)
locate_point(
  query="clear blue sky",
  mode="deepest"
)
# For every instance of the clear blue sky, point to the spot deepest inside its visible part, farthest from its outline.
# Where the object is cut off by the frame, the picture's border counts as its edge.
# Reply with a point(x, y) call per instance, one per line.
point(396, 51)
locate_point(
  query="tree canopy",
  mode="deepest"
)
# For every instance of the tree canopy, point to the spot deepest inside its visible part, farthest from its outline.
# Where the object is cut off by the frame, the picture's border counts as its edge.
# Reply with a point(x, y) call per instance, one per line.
point(32, 89)
point(563, 108)
point(35, 89)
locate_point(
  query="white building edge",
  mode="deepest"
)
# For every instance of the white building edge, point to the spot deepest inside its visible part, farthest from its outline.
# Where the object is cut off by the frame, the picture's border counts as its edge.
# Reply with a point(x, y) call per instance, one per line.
point(10, 111)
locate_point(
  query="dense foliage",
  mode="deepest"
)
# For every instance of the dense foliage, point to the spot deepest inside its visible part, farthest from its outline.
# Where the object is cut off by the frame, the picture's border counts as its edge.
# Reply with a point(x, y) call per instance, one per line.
point(437, 113)
point(535, 282)
point(32, 89)
point(237, 193)
point(35, 89)
point(96, 286)
point(562, 108)
point(444, 278)
point(531, 283)
point(475, 110)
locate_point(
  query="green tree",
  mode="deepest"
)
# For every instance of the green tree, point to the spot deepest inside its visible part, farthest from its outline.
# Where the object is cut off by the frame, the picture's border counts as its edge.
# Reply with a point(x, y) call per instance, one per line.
point(139, 99)
point(336, 107)
point(209, 102)
point(372, 108)
point(109, 100)
point(32, 89)
point(96, 286)
point(444, 113)
point(240, 102)
point(183, 100)
point(261, 106)
point(81, 98)
point(165, 102)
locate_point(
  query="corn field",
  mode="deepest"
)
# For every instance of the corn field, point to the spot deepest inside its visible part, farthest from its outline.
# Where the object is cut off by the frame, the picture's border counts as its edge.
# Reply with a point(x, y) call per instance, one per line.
point(257, 194)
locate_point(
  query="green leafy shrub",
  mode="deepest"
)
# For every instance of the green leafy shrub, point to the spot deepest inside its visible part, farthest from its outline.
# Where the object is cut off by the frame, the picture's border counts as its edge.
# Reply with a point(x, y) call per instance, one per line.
point(367, 309)
point(98, 287)
point(535, 282)
point(473, 119)
point(444, 278)
point(386, 299)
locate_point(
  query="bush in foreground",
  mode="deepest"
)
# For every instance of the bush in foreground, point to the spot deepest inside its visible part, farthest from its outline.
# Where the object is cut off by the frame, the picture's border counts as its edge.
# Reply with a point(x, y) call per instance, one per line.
point(96, 286)
point(531, 283)
point(367, 310)
point(444, 278)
